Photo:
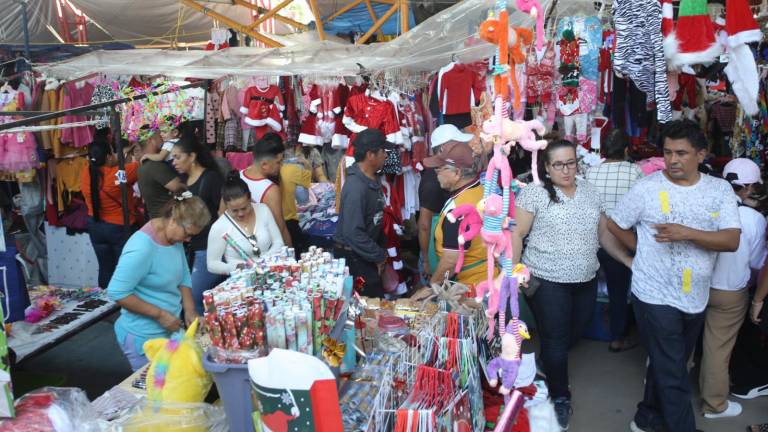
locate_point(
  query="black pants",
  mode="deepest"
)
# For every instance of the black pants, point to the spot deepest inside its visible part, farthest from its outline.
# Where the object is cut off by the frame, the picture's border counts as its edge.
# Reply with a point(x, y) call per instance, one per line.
point(669, 336)
point(297, 237)
point(108, 241)
point(358, 267)
point(619, 279)
point(562, 311)
point(749, 361)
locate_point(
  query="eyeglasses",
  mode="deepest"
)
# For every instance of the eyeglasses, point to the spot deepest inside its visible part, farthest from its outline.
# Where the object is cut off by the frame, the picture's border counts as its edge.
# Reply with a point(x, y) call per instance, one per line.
point(560, 166)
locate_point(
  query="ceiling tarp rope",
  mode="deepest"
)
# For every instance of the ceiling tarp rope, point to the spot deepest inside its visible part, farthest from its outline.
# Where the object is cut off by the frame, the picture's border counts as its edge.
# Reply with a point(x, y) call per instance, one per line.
point(431, 44)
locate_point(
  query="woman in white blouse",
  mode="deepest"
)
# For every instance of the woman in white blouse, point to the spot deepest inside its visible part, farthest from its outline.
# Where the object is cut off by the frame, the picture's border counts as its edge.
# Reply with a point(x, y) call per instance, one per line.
point(250, 225)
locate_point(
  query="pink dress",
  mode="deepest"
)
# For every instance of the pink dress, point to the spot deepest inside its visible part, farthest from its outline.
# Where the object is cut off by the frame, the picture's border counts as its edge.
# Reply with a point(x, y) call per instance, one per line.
point(18, 151)
point(76, 97)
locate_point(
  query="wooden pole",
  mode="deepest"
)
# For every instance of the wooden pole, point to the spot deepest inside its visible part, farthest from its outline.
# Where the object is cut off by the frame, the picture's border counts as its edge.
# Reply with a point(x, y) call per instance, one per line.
point(269, 14)
point(232, 23)
point(374, 18)
point(318, 19)
point(261, 10)
point(342, 10)
point(377, 25)
point(403, 16)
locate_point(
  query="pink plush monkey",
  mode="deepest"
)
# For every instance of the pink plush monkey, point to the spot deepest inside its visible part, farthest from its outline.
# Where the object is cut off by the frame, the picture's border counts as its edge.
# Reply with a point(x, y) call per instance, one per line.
point(529, 142)
point(533, 7)
point(469, 227)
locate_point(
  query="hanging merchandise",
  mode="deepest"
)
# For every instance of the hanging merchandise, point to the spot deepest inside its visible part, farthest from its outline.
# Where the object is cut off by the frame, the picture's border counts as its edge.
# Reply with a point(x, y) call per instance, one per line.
point(219, 39)
point(742, 29)
point(309, 124)
point(77, 94)
point(340, 139)
point(365, 111)
point(262, 105)
point(458, 89)
point(18, 151)
point(540, 84)
point(640, 51)
point(693, 40)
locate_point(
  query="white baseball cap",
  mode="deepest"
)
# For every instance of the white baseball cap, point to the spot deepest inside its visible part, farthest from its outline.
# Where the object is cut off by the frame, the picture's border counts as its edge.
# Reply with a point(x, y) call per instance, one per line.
point(448, 132)
point(742, 171)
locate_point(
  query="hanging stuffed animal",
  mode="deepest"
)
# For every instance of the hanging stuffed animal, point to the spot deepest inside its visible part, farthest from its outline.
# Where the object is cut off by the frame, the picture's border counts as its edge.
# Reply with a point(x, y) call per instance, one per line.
point(529, 142)
point(469, 227)
point(507, 364)
point(496, 31)
point(533, 7)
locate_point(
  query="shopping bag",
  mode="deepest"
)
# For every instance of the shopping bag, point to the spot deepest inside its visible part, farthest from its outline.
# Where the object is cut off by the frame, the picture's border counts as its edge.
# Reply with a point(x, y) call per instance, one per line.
point(292, 391)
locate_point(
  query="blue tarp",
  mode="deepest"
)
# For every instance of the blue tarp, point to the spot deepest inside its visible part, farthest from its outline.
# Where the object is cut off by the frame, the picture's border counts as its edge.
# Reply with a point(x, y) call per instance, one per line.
point(358, 20)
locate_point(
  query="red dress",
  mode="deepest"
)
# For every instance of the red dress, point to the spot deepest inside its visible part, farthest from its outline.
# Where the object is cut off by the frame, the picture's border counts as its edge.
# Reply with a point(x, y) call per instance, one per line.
point(262, 109)
point(340, 139)
point(309, 134)
point(330, 108)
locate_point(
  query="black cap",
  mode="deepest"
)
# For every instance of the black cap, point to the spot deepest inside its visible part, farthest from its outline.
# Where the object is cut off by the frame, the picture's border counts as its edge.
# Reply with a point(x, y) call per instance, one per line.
point(372, 140)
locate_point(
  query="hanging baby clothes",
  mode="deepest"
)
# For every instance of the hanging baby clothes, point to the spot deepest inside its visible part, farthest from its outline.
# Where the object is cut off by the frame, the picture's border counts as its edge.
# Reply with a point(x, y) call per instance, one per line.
point(540, 83)
point(605, 67)
point(329, 109)
point(231, 114)
point(212, 113)
point(340, 139)
point(50, 102)
point(640, 52)
point(393, 278)
point(686, 88)
point(68, 179)
point(77, 94)
point(262, 108)
point(309, 134)
point(363, 112)
point(18, 151)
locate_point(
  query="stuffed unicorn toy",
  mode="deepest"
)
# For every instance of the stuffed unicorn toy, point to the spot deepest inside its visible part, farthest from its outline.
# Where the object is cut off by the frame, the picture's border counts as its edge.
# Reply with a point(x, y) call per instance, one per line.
point(529, 142)
point(469, 227)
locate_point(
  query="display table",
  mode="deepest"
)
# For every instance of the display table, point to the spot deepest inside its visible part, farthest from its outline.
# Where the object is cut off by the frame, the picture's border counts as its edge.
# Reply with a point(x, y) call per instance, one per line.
point(74, 316)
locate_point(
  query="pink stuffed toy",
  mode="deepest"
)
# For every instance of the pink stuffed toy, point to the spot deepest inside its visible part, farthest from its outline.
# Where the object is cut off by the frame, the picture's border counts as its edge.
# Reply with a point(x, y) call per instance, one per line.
point(469, 227)
point(529, 142)
point(493, 289)
point(533, 7)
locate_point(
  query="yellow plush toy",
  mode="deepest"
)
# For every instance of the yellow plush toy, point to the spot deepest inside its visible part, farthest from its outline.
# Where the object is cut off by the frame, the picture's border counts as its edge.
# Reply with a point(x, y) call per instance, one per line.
point(176, 377)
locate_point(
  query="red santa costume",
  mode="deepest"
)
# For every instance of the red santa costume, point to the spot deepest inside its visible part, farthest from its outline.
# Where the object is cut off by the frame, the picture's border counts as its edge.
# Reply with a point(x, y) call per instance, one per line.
point(330, 108)
point(742, 29)
point(340, 139)
point(309, 134)
point(262, 108)
point(363, 112)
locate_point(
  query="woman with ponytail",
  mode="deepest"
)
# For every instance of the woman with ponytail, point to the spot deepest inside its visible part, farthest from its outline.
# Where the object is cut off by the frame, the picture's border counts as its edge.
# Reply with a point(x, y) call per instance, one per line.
point(103, 197)
point(564, 223)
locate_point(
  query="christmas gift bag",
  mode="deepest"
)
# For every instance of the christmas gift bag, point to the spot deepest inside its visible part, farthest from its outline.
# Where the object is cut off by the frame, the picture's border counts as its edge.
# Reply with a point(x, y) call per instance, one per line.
point(292, 391)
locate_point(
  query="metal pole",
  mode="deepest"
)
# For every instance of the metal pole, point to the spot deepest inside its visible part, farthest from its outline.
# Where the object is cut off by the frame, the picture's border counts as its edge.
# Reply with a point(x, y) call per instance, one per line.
point(121, 176)
point(25, 27)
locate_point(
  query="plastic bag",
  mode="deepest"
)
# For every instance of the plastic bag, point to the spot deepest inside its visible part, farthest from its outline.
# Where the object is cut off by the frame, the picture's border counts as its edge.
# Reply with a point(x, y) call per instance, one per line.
point(221, 355)
point(171, 417)
point(53, 409)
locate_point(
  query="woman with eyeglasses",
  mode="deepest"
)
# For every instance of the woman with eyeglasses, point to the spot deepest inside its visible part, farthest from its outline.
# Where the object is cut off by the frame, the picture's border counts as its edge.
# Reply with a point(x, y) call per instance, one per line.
point(564, 222)
point(251, 225)
point(152, 283)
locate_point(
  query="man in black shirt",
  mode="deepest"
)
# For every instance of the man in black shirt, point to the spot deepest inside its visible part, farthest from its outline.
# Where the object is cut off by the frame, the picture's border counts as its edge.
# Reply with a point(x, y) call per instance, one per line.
point(432, 197)
point(359, 236)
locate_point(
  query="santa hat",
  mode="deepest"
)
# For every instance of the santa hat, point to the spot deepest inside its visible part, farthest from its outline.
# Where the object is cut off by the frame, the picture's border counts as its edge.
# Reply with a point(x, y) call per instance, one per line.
point(693, 40)
point(740, 24)
point(667, 18)
point(741, 70)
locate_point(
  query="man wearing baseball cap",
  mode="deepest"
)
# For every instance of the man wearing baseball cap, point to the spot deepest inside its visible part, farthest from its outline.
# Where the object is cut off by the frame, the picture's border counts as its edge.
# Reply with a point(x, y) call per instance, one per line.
point(432, 197)
point(359, 236)
point(457, 171)
point(729, 294)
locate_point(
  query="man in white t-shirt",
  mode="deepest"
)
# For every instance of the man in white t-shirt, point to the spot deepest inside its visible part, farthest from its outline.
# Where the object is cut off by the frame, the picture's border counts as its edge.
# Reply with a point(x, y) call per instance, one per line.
point(683, 218)
point(729, 295)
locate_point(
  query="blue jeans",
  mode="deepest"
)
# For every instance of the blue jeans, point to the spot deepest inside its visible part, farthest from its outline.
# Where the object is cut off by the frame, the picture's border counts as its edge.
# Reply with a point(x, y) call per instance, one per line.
point(136, 360)
point(669, 336)
point(619, 279)
point(562, 312)
point(108, 241)
point(202, 279)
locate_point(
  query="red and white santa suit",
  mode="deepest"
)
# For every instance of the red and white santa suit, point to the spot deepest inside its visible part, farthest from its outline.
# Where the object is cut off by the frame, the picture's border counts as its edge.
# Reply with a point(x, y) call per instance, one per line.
point(392, 227)
point(309, 134)
point(340, 139)
point(330, 108)
point(363, 112)
point(262, 109)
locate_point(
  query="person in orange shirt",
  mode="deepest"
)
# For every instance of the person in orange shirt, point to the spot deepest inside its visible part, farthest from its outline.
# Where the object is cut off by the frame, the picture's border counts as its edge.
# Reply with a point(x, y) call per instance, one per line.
point(103, 197)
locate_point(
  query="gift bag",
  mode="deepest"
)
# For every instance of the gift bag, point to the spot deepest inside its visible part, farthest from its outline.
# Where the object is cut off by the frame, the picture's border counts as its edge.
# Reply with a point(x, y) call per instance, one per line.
point(292, 391)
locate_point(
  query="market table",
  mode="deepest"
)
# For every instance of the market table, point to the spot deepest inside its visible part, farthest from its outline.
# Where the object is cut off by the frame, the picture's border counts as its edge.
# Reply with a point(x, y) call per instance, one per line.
point(74, 316)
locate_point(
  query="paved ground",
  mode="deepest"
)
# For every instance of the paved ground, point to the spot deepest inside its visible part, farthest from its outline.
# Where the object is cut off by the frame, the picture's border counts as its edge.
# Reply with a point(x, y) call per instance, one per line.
point(606, 386)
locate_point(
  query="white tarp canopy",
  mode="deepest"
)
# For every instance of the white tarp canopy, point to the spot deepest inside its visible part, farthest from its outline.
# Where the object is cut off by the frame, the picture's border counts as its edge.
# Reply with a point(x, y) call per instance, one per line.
point(428, 46)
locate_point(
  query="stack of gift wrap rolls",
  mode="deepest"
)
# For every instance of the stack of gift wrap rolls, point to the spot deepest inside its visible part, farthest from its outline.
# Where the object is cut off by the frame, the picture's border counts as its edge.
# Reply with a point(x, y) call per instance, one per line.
point(278, 303)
